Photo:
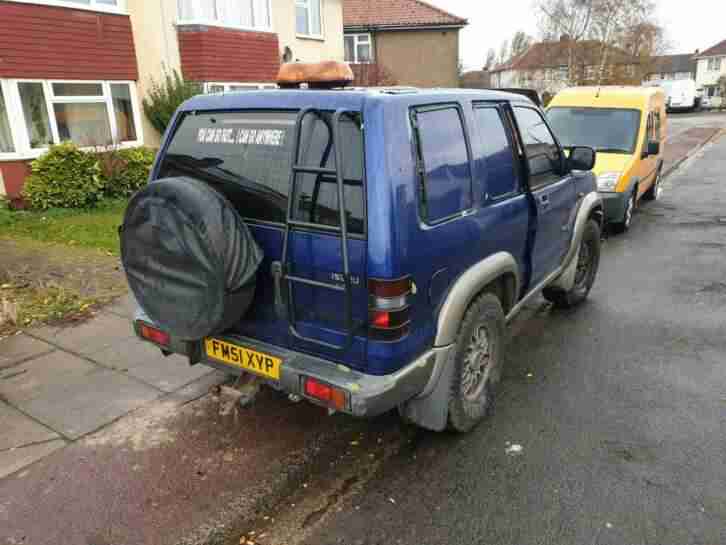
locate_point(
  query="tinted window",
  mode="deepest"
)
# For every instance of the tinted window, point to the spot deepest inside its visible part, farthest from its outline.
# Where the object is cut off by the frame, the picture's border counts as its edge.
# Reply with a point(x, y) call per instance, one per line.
point(447, 179)
point(495, 148)
point(248, 157)
point(316, 195)
point(543, 155)
point(606, 130)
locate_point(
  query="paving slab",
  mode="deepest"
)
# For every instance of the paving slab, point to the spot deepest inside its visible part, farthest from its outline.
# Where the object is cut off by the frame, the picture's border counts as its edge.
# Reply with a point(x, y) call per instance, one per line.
point(146, 362)
point(124, 307)
point(17, 348)
point(102, 332)
point(16, 459)
point(17, 430)
point(37, 377)
point(87, 404)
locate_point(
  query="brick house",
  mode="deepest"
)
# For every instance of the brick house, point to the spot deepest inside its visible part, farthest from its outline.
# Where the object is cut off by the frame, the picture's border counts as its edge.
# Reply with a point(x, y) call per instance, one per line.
point(673, 67)
point(544, 66)
point(78, 69)
point(402, 42)
point(711, 67)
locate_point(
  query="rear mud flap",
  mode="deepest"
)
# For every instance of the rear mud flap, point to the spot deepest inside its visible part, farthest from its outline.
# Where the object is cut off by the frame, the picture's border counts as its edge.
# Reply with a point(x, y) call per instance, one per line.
point(432, 410)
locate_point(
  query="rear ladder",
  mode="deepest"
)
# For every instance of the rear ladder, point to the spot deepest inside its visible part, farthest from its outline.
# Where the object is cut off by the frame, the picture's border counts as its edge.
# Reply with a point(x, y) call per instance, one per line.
point(281, 269)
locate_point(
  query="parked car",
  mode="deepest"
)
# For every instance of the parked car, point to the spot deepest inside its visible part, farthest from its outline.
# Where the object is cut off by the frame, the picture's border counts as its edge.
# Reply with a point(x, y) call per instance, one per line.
point(361, 249)
point(627, 127)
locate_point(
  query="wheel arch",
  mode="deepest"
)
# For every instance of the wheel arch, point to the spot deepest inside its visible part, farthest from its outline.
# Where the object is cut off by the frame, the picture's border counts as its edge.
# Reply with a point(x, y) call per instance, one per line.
point(497, 273)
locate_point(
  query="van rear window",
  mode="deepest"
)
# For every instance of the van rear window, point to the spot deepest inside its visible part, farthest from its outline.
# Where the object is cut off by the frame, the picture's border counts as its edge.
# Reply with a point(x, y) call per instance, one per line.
point(248, 157)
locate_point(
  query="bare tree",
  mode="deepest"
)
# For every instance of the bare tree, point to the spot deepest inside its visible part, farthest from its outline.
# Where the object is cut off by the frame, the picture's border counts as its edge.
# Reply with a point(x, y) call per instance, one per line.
point(520, 43)
point(491, 59)
point(622, 38)
point(570, 20)
point(504, 52)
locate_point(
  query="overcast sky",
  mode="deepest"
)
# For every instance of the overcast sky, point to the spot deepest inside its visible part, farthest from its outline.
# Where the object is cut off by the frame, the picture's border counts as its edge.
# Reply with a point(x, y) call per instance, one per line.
point(689, 24)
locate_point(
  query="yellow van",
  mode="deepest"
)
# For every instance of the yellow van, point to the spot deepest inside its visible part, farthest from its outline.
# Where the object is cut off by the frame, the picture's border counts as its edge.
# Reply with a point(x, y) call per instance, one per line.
point(627, 128)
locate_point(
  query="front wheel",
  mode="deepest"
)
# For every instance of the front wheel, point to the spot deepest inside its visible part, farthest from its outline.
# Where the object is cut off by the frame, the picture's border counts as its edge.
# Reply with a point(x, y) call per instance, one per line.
point(588, 261)
point(654, 192)
point(624, 225)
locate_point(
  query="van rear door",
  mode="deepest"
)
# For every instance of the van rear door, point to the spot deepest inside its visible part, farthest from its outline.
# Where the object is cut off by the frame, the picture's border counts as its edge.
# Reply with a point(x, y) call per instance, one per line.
point(248, 156)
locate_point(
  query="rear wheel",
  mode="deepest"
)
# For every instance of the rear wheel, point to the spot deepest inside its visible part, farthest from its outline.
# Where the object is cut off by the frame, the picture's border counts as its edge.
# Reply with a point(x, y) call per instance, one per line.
point(478, 358)
point(588, 261)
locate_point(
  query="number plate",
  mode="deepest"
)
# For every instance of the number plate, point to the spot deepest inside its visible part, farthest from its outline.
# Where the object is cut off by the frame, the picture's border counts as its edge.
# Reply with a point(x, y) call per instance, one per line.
point(243, 358)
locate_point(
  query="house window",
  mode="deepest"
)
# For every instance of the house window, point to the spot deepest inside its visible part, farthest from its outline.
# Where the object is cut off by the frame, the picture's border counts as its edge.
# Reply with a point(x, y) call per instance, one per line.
point(307, 18)
point(6, 136)
point(48, 112)
point(246, 14)
point(358, 48)
point(35, 113)
point(714, 65)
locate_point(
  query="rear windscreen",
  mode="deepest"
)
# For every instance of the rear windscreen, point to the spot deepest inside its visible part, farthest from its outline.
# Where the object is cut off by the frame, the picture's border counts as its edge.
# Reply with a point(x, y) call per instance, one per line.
point(248, 157)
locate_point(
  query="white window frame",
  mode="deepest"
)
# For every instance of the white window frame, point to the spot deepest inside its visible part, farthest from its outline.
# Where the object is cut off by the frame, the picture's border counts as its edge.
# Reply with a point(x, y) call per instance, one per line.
point(356, 41)
point(306, 4)
point(217, 23)
point(120, 8)
point(715, 64)
point(227, 86)
point(18, 127)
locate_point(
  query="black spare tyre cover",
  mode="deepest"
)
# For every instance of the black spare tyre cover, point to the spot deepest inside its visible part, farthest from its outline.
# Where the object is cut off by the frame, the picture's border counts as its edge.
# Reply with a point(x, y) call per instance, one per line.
point(189, 258)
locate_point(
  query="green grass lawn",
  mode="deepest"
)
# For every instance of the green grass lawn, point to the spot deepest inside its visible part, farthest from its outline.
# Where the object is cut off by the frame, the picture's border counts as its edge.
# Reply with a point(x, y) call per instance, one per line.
point(93, 228)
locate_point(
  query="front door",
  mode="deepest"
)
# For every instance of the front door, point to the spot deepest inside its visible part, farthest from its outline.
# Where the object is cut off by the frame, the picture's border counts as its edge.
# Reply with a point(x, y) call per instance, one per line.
point(553, 193)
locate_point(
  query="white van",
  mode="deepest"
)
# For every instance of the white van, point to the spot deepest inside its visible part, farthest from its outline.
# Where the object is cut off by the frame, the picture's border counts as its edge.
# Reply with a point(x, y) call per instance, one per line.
point(681, 95)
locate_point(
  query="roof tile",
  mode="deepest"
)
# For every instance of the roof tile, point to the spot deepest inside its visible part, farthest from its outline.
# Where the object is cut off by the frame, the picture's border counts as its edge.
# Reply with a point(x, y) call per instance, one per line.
point(395, 13)
point(718, 49)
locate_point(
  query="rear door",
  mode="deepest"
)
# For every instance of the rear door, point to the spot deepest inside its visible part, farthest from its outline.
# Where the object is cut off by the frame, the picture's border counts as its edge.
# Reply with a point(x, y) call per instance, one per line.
point(552, 192)
point(318, 320)
point(248, 156)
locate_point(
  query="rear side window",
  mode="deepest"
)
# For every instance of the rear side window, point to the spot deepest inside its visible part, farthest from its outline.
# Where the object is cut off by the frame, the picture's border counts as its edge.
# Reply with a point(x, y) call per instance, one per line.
point(497, 153)
point(248, 157)
point(444, 163)
point(543, 155)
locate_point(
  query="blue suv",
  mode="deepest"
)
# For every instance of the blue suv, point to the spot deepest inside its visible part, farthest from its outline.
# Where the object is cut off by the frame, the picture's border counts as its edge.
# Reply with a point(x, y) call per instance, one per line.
point(364, 248)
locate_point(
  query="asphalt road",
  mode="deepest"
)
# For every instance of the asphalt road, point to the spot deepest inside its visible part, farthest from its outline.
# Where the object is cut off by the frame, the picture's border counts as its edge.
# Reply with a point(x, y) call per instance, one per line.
point(619, 407)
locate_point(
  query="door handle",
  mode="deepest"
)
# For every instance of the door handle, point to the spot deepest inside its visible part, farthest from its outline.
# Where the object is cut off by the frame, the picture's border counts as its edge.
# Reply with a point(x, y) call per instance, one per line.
point(278, 281)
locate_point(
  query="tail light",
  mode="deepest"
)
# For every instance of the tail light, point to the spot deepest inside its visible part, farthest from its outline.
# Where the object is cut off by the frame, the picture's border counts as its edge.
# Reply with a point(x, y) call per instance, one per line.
point(153, 334)
point(335, 398)
point(389, 313)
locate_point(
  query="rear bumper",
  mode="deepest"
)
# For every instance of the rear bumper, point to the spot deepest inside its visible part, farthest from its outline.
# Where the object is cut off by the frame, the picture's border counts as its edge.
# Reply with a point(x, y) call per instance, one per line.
point(614, 204)
point(368, 395)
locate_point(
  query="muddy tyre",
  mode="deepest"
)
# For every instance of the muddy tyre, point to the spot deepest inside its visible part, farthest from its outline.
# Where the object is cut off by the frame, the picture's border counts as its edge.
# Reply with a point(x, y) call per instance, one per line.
point(588, 262)
point(477, 359)
point(624, 226)
point(654, 192)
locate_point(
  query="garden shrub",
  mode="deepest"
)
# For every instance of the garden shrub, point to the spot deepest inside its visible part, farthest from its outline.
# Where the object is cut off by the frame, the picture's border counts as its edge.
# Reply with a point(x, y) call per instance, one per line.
point(165, 97)
point(126, 170)
point(64, 177)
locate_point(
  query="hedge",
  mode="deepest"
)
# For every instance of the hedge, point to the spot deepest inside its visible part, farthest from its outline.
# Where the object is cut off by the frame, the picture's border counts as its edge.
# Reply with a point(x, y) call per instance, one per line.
point(69, 177)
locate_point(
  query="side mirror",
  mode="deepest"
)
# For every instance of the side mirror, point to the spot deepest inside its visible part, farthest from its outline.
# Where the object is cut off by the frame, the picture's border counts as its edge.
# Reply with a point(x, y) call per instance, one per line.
point(653, 148)
point(582, 158)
